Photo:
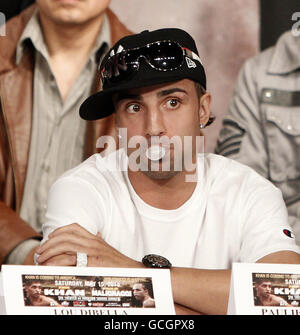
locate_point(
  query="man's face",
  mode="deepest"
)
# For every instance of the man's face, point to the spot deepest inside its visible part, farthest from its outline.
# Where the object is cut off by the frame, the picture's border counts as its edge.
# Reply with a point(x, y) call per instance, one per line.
point(72, 11)
point(264, 289)
point(139, 291)
point(169, 111)
point(34, 290)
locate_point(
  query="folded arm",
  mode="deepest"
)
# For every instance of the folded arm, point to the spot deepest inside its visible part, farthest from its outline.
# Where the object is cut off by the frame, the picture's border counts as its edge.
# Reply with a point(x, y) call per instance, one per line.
point(194, 290)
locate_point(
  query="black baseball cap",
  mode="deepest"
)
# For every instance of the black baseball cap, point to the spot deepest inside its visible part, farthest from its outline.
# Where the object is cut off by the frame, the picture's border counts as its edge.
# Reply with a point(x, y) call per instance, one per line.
point(100, 105)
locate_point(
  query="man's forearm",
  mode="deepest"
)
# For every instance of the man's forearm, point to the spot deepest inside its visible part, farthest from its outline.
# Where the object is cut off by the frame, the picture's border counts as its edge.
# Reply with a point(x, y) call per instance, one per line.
point(194, 290)
point(13, 231)
point(205, 291)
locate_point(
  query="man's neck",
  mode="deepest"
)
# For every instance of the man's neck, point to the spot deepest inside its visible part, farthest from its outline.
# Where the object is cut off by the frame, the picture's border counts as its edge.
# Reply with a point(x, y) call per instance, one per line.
point(64, 38)
point(69, 47)
point(146, 297)
point(34, 300)
point(165, 194)
point(265, 299)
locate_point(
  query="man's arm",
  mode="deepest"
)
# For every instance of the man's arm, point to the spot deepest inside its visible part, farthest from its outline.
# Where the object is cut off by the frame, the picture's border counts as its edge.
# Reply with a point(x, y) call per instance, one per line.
point(13, 231)
point(207, 291)
point(203, 291)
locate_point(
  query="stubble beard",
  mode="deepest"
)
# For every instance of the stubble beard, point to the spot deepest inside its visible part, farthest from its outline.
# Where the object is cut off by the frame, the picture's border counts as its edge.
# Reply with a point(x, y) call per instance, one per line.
point(160, 175)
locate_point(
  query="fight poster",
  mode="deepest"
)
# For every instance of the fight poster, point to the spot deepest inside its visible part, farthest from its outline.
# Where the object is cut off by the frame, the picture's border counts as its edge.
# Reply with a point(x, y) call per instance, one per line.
point(86, 291)
point(265, 289)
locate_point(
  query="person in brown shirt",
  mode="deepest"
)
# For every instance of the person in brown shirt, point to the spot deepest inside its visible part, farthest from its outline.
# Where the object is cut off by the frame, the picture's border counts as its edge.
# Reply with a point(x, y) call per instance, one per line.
point(48, 66)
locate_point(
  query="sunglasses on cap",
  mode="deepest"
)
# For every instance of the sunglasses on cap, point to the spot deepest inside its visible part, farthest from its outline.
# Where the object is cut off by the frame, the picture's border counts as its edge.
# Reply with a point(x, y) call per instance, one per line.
point(161, 55)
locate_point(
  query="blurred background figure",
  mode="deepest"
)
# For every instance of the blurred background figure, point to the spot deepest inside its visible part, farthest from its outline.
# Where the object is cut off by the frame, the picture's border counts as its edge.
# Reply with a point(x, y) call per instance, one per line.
point(48, 66)
point(262, 127)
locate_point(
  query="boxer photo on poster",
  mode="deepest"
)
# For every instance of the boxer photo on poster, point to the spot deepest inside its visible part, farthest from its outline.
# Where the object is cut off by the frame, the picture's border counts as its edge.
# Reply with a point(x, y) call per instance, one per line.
point(272, 289)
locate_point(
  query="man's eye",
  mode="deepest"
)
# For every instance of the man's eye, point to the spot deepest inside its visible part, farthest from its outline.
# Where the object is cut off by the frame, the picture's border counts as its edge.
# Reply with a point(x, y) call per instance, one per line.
point(133, 108)
point(172, 103)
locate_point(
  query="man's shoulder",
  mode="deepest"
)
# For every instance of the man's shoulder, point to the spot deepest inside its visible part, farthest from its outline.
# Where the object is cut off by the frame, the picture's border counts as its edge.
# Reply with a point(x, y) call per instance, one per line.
point(226, 172)
point(221, 164)
point(87, 166)
point(149, 303)
point(90, 185)
point(258, 64)
point(97, 168)
point(279, 59)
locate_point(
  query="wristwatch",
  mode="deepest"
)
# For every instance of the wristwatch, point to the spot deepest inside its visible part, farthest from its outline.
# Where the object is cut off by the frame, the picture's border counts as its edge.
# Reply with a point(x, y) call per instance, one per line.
point(156, 261)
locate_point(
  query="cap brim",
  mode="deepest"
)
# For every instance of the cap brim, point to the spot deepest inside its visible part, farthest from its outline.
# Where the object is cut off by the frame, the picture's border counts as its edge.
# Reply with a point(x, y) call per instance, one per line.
point(97, 106)
point(100, 105)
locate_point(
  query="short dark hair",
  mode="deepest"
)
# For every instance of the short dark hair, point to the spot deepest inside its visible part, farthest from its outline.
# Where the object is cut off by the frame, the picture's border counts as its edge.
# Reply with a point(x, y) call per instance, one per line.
point(259, 281)
point(199, 89)
point(147, 285)
point(29, 282)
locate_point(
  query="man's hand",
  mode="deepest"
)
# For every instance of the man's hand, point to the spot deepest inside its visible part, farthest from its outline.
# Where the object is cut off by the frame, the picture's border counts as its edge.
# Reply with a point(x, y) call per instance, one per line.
point(63, 244)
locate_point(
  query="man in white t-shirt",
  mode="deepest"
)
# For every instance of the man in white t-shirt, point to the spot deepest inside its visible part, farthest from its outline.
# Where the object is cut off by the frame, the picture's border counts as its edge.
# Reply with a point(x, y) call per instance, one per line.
point(158, 201)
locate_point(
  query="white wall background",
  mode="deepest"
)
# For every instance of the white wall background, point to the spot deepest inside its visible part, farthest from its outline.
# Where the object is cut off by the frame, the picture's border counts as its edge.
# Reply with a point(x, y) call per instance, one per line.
point(226, 33)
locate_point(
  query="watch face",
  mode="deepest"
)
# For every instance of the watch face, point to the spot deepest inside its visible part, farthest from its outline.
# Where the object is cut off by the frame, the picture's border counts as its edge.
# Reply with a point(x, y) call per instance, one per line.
point(156, 261)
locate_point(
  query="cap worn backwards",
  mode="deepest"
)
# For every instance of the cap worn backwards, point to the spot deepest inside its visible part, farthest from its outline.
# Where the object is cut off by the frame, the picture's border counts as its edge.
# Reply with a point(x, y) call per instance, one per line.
point(100, 104)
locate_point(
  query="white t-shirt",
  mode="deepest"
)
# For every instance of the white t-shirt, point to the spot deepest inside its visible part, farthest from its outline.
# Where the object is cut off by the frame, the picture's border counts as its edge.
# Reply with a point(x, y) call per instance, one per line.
point(233, 215)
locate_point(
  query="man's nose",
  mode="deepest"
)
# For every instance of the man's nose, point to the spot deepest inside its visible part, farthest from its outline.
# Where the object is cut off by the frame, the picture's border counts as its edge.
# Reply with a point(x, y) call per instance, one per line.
point(155, 125)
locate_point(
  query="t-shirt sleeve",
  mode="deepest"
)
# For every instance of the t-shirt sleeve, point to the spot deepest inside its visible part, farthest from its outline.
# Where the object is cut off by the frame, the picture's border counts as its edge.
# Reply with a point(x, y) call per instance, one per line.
point(265, 227)
point(73, 200)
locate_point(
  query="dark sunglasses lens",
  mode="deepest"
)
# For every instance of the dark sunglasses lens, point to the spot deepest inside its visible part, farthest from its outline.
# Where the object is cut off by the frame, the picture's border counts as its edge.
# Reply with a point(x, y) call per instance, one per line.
point(118, 67)
point(161, 55)
point(165, 55)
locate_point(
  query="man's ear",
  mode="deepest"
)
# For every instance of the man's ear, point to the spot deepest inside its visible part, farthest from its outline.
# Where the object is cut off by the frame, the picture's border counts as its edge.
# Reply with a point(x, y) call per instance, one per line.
point(204, 109)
